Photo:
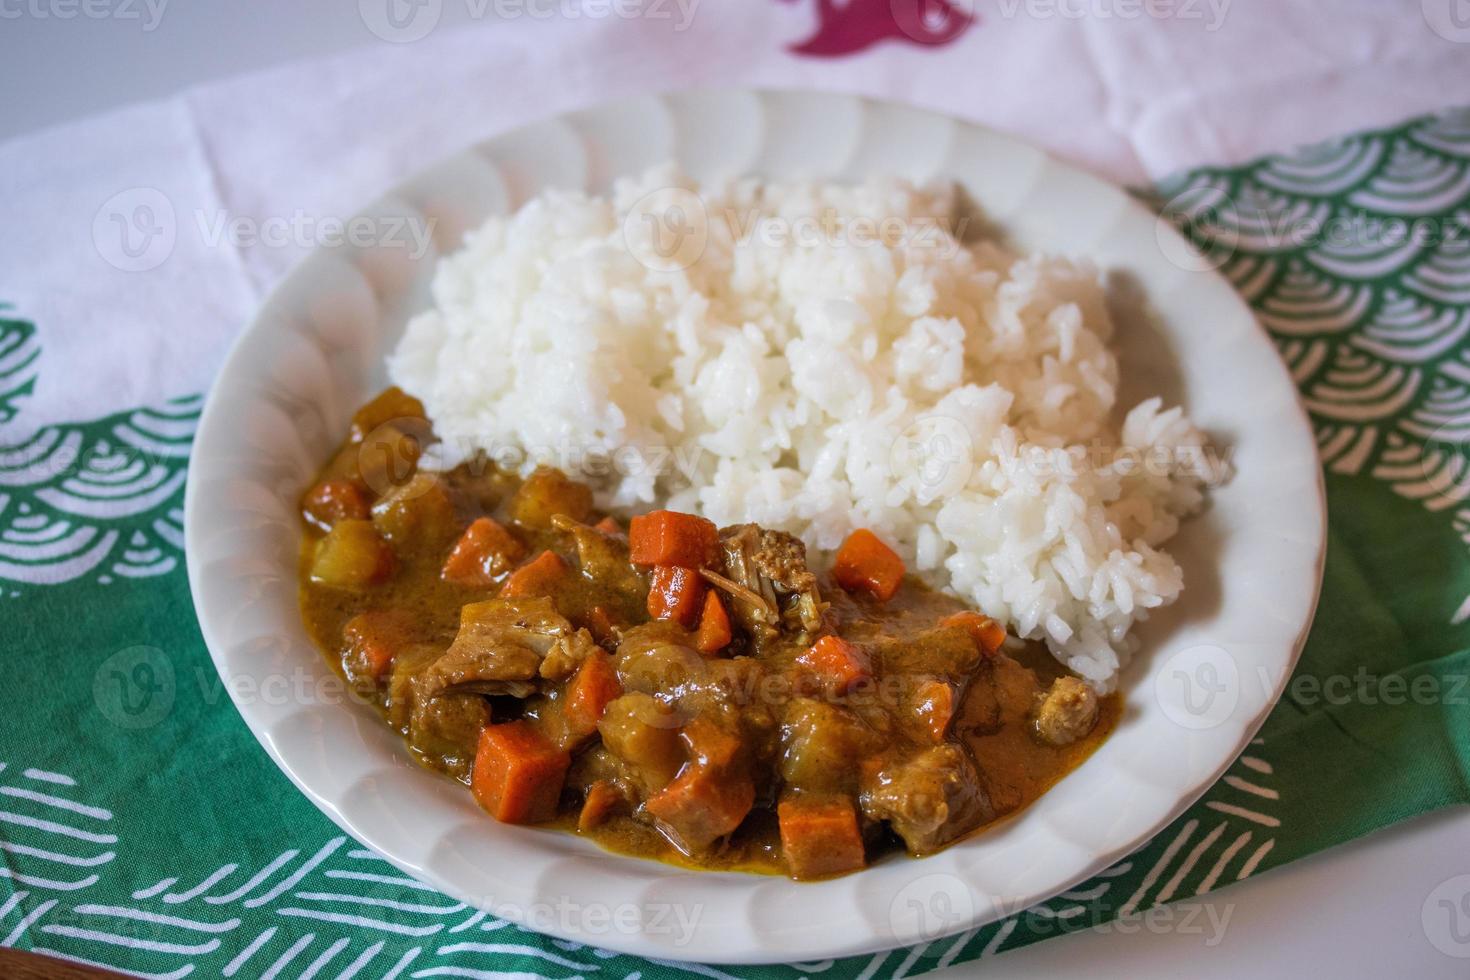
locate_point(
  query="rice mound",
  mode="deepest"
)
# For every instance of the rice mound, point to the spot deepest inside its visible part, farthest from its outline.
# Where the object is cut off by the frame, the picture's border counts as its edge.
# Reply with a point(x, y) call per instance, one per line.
point(817, 358)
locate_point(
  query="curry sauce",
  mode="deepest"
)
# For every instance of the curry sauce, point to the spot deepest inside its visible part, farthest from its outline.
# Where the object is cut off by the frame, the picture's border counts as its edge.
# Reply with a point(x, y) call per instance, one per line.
point(672, 690)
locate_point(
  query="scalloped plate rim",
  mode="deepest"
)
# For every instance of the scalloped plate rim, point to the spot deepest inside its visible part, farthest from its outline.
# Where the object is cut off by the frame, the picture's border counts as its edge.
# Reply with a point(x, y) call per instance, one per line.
point(749, 947)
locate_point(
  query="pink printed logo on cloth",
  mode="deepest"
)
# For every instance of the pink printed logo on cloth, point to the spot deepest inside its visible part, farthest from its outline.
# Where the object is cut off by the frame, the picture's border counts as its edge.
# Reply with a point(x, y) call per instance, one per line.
point(847, 28)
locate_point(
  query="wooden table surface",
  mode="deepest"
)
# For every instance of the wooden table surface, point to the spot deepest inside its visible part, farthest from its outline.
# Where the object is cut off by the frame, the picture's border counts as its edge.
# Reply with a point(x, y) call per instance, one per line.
point(16, 964)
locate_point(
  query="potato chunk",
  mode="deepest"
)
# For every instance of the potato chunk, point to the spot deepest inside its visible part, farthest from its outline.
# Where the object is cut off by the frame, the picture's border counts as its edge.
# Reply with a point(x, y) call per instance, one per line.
point(819, 742)
point(645, 734)
point(388, 457)
point(392, 405)
point(547, 493)
point(352, 556)
point(419, 510)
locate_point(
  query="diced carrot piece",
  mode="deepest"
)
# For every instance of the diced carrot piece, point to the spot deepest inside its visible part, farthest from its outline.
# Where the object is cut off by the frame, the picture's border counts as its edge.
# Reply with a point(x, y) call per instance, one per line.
point(840, 663)
point(675, 593)
point(820, 836)
point(934, 707)
point(535, 578)
point(602, 798)
point(600, 624)
point(714, 626)
point(373, 640)
point(666, 537)
point(988, 635)
point(869, 768)
point(518, 773)
point(701, 805)
point(483, 553)
point(865, 564)
point(609, 525)
point(592, 688)
point(709, 745)
point(335, 500)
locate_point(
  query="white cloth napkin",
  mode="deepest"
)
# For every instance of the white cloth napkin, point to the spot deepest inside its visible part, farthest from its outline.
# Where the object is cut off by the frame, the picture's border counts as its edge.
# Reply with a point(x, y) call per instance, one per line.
point(140, 242)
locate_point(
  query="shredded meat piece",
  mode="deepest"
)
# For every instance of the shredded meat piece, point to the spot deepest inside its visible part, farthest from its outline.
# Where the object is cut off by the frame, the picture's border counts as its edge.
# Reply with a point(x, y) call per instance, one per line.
point(598, 765)
point(503, 645)
point(507, 667)
point(782, 557)
point(447, 724)
point(929, 799)
point(752, 609)
point(761, 568)
point(439, 724)
point(602, 556)
point(1067, 712)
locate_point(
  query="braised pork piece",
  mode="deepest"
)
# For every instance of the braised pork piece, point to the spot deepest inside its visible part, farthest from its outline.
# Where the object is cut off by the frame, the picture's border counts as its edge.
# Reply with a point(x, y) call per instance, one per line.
point(672, 689)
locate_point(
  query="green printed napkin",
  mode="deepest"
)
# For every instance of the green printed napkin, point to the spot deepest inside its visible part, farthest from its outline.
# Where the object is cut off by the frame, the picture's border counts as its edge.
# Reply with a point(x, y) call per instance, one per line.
point(142, 827)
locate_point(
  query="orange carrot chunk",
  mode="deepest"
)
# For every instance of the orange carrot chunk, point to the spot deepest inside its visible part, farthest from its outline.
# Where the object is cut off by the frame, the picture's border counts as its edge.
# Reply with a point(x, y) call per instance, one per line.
point(842, 665)
point(700, 806)
point(986, 632)
point(866, 564)
point(609, 525)
point(592, 688)
point(714, 626)
point(675, 593)
point(934, 707)
point(483, 553)
point(373, 640)
point(710, 745)
point(518, 773)
point(820, 836)
point(335, 500)
point(535, 578)
point(666, 537)
point(602, 799)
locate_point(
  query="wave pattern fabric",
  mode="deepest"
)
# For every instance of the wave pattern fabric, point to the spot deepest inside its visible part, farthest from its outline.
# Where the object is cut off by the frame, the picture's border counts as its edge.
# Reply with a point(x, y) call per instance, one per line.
point(142, 828)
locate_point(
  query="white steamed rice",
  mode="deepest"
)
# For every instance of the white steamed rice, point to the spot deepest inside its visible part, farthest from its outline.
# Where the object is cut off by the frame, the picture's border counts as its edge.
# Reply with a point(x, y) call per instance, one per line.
point(799, 372)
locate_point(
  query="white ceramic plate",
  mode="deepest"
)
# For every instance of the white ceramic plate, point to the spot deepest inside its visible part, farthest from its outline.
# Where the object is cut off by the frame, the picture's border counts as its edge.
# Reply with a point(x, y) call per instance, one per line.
point(1253, 561)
